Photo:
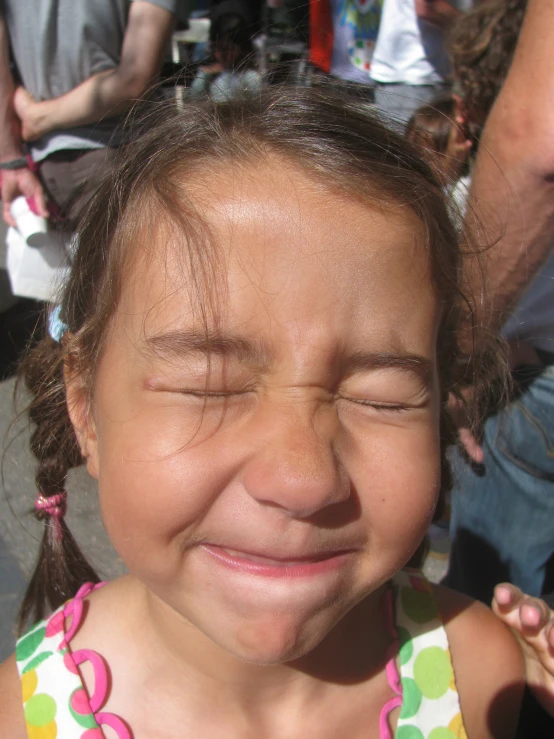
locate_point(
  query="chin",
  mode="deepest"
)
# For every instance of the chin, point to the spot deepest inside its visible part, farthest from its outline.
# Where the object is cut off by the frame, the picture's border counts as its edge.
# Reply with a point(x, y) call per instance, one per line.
point(277, 639)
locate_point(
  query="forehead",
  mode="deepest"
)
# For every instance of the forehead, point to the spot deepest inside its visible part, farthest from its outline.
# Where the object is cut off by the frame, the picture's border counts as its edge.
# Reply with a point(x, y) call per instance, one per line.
point(276, 237)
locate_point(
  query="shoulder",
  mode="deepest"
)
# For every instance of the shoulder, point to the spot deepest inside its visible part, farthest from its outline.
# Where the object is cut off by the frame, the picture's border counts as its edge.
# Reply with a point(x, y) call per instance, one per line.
point(488, 664)
point(12, 721)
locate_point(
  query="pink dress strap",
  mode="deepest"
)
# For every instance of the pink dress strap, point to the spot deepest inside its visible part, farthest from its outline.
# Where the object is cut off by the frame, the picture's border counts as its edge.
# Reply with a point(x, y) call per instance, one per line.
point(393, 676)
point(74, 609)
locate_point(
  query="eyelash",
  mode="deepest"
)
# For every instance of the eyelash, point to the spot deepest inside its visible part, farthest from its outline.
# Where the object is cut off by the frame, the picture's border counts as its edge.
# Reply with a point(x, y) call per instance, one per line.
point(380, 407)
point(207, 394)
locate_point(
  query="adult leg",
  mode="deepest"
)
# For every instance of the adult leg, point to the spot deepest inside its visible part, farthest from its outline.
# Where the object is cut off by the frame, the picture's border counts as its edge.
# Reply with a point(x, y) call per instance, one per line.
point(502, 525)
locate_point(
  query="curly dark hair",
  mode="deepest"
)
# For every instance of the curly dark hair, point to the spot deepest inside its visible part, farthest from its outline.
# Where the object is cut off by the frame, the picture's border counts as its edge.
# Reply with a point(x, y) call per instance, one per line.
point(481, 46)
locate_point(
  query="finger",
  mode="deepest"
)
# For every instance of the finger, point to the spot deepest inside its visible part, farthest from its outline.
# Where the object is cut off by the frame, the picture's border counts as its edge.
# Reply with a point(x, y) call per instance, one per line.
point(7, 215)
point(534, 614)
point(507, 596)
point(549, 633)
point(471, 445)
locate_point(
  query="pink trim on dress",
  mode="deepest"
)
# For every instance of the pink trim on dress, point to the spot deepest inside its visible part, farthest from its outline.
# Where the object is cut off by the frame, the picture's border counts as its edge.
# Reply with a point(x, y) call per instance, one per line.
point(393, 676)
point(74, 609)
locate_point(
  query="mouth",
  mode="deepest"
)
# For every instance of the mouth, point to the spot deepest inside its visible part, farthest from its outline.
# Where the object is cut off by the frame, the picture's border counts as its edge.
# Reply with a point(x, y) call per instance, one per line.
point(277, 566)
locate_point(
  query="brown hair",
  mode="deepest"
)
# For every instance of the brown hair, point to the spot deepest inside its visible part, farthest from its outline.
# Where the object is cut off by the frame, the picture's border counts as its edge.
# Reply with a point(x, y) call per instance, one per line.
point(481, 47)
point(429, 129)
point(431, 124)
point(333, 140)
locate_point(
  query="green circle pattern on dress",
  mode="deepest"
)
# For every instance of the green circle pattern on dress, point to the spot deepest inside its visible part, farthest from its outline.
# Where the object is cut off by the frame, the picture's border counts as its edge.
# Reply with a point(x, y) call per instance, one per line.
point(411, 698)
point(408, 732)
point(406, 647)
point(40, 709)
point(418, 605)
point(35, 662)
point(433, 672)
point(441, 732)
point(26, 646)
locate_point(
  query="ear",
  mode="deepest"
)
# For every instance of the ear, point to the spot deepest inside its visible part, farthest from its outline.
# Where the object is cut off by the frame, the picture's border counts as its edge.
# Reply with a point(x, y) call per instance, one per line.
point(79, 408)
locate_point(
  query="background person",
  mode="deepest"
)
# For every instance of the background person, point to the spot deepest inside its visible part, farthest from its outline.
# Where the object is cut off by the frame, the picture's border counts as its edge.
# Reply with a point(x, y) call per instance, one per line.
point(410, 64)
point(502, 523)
point(503, 502)
point(81, 64)
point(232, 68)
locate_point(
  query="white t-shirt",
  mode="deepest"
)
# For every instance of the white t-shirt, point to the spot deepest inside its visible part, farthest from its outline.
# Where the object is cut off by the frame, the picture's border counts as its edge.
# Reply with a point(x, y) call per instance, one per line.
point(409, 50)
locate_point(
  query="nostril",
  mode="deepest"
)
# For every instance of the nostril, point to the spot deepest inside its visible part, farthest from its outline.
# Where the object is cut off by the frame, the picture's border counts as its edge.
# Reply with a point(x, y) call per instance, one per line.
point(299, 480)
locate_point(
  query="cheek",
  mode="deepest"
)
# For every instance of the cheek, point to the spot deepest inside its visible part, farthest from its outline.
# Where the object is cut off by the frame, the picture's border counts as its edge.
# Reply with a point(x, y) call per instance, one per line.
point(398, 484)
point(152, 493)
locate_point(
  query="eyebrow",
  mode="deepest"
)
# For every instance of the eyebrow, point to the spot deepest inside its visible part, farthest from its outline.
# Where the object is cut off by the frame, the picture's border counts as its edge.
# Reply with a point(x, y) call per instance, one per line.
point(412, 364)
point(180, 343)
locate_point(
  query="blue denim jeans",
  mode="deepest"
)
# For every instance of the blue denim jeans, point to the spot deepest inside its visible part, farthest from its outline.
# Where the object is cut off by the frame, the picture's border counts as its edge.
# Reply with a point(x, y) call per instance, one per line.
point(502, 524)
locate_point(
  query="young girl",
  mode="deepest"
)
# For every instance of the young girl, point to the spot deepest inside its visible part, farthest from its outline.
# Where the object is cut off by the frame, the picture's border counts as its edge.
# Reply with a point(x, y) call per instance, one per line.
point(445, 143)
point(260, 337)
point(232, 70)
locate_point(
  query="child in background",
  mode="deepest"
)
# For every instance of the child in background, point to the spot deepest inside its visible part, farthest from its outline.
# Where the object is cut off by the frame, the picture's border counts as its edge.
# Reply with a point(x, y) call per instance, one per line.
point(233, 69)
point(445, 143)
point(260, 339)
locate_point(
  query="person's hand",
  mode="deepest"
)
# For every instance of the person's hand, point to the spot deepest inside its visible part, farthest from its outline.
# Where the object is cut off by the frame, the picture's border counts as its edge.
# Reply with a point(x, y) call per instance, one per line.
point(532, 622)
point(16, 182)
point(27, 109)
point(466, 436)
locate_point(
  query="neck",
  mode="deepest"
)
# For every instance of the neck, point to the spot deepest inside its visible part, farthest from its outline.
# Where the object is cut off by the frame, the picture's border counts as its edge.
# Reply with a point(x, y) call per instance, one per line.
point(352, 653)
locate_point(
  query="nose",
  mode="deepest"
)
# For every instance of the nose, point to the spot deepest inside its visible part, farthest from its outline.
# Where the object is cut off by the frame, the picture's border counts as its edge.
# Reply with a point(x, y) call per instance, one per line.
point(296, 466)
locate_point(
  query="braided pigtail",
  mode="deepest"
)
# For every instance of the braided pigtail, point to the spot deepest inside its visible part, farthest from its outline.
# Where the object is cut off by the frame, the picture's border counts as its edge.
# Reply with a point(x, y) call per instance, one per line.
point(61, 566)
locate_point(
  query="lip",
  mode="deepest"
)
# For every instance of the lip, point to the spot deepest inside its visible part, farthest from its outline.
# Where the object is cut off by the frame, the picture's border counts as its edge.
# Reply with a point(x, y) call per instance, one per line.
point(278, 567)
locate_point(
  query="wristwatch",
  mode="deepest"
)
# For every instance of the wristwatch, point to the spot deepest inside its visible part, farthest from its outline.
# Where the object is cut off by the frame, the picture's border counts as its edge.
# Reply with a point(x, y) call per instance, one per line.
point(15, 163)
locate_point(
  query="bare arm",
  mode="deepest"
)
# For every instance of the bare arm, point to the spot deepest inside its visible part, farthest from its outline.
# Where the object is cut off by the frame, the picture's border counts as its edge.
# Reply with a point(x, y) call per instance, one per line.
point(513, 184)
point(12, 722)
point(111, 92)
point(439, 12)
point(488, 665)
point(19, 181)
point(10, 137)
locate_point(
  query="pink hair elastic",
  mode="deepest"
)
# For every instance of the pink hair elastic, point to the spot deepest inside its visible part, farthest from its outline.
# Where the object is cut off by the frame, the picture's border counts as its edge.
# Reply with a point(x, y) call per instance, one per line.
point(53, 506)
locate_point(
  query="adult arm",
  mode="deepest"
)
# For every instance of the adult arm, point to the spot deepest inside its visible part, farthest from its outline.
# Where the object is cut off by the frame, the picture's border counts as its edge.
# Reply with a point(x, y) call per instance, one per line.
point(513, 184)
point(438, 12)
point(19, 181)
point(111, 92)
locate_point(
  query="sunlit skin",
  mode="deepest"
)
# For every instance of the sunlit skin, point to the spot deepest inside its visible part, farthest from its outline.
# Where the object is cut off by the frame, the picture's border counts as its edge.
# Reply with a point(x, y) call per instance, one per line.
point(261, 521)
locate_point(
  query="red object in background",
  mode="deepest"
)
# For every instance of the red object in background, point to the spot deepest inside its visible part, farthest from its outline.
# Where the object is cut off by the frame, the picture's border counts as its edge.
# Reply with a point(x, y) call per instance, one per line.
point(321, 34)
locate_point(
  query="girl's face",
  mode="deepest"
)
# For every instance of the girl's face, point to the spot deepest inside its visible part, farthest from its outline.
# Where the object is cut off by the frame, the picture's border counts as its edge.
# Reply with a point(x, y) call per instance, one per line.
point(263, 510)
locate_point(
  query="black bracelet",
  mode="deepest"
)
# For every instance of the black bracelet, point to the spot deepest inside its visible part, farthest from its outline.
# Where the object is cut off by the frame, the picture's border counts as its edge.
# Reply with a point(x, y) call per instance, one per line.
point(15, 163)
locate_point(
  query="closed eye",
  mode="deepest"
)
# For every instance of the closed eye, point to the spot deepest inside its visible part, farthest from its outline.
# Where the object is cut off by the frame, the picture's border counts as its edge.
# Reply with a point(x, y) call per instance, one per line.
point(380, 406)
point(383, 407)
point(213, 394)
